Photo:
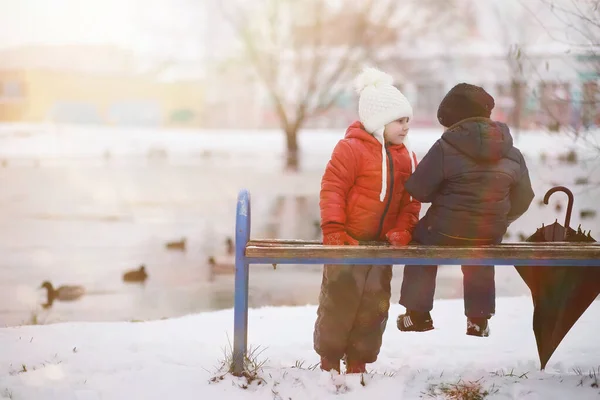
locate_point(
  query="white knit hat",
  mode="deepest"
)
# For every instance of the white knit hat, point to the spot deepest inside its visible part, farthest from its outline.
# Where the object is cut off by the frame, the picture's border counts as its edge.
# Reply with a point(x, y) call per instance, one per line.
point(379, 104)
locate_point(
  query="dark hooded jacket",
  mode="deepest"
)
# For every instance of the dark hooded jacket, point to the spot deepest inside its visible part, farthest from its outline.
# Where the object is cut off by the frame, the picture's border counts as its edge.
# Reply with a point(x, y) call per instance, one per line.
point(475, 179)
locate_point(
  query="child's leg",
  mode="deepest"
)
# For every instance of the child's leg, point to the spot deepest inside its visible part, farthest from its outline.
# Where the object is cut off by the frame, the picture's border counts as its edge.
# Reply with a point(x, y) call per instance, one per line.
point(367, 332)
point(341, 290)
point(479, 291)
point(418, 287)
point(418, 281)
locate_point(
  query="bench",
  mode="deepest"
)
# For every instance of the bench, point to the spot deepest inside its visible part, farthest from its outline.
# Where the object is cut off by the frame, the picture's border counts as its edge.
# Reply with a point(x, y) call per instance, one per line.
point(271, 251)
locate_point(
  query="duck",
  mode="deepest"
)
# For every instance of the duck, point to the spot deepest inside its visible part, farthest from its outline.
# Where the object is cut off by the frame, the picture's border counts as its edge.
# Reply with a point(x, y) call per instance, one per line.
point(221, 266)
point(62, 293)
point(138, 275)
point(176, 245)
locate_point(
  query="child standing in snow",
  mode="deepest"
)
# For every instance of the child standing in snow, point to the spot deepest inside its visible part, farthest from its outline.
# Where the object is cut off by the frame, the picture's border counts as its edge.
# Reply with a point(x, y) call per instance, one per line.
point(363, 199)
point(477, 183)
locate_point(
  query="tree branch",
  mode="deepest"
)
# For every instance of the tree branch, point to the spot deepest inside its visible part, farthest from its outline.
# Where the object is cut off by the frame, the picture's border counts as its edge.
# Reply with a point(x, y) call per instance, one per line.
point(304, 77)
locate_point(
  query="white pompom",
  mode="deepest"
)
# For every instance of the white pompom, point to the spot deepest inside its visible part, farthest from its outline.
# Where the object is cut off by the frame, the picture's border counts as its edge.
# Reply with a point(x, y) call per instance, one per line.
point(372, 77)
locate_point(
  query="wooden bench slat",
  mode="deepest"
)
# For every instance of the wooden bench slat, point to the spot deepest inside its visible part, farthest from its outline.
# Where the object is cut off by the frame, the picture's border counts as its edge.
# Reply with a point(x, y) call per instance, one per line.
point(292, 243)
point(551, 251)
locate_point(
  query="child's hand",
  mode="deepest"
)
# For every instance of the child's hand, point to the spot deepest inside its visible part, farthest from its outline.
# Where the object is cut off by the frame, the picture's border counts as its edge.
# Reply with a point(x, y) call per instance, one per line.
point(339, 239)
point(398, 237)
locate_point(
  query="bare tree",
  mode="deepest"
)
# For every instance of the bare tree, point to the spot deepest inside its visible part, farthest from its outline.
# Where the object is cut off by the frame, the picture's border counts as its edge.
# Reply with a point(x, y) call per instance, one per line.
point(305, 53)
point(515, 34)
point(576, 25)
point(581, 23)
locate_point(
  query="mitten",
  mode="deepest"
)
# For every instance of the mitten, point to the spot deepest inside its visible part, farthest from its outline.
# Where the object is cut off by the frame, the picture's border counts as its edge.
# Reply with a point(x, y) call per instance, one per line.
point(398, 237)
point(339, 239)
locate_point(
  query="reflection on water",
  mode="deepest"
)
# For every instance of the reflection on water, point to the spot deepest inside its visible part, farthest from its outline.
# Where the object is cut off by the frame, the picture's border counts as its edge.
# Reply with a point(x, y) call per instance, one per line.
point(89, 226)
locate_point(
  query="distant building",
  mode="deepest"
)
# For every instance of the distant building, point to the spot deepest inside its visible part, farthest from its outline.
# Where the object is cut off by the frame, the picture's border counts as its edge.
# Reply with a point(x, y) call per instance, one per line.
point(91, 84)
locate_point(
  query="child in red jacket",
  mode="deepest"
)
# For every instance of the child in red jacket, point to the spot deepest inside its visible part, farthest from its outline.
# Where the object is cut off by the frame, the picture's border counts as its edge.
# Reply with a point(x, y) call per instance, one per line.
point(363, 199)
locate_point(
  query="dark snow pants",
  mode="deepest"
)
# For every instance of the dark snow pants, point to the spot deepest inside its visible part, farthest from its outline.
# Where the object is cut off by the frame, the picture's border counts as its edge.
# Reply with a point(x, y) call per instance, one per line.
point(353, 311)
point(418, 282)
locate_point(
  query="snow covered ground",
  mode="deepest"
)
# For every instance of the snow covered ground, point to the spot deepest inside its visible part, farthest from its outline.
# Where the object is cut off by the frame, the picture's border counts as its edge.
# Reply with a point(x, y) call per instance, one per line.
point(81, 205)
point(178, 359)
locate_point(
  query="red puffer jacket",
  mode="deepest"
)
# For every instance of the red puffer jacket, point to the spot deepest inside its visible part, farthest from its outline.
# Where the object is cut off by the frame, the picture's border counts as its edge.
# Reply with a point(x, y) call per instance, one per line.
point(351, 185)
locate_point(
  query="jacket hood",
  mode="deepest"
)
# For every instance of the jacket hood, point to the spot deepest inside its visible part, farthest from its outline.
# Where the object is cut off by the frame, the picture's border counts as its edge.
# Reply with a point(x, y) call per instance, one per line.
point(481, 139)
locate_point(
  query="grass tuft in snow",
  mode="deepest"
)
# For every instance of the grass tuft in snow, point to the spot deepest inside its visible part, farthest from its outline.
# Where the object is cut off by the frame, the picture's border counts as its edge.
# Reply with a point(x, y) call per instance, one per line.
point(387, 374)
point(592, 376)
point(300, 365)
point(509, 374)
point(253, 365)
point(275, 392)
point(7, 394)
point(19, 371)
point(470, 390)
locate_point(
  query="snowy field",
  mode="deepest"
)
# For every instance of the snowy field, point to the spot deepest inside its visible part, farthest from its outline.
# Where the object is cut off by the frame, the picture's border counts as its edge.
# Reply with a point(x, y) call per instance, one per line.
point(179, 359)
point(81, 205)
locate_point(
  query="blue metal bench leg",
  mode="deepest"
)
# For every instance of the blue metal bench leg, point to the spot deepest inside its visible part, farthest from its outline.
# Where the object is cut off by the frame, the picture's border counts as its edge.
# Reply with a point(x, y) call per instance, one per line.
point(240, 308)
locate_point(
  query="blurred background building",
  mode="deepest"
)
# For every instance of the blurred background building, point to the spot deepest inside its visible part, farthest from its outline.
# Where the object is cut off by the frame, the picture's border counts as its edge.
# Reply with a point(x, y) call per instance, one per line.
point(92, 84)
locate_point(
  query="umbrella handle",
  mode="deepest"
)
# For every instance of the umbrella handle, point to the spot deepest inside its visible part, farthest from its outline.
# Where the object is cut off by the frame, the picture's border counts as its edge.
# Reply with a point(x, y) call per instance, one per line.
point(569, 206)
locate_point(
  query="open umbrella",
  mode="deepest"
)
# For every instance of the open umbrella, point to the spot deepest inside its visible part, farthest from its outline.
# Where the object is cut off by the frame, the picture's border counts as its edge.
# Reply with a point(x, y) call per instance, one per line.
point(560, 294)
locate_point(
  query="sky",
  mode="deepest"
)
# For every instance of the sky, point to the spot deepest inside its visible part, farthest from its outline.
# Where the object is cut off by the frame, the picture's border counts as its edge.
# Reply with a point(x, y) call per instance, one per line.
point(190, 30)
point(146, 26)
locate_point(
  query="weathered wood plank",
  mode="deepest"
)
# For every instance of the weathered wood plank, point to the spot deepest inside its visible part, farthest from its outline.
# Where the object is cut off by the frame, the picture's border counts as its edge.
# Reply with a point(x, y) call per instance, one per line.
point(293, 243)
point(552, 251)
point(288, 243)
point(300, 241)
point(257, 242)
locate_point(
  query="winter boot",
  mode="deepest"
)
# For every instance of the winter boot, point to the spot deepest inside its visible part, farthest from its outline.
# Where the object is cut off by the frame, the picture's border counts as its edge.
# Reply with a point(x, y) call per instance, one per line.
point(478, 327)
point(415, 321)
point(355, 367)
point(328, 364)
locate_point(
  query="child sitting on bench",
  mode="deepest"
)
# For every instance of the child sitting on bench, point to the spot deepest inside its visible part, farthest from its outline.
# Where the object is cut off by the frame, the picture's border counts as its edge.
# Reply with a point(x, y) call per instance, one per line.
point(477, 183)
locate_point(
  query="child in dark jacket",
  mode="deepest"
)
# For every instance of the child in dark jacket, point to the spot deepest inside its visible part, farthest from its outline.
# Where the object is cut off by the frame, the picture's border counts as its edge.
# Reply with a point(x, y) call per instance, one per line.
point(477, 183)
point(363, 198)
